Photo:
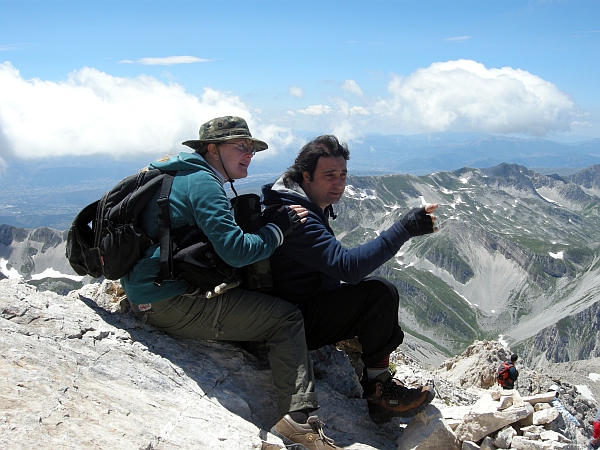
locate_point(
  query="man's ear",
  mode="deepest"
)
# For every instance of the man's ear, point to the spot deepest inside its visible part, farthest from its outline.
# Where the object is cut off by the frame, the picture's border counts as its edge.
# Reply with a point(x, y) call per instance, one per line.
point(305, 176)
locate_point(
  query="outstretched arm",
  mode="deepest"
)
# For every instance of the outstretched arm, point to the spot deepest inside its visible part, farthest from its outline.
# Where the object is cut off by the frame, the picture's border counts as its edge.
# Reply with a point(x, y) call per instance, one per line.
point(315, 246)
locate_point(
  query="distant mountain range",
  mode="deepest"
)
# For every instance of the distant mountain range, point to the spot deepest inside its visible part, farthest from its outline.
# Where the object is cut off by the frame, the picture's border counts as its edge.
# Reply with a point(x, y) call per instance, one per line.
point(50, 192)
point(431, 153)
point(517, 255)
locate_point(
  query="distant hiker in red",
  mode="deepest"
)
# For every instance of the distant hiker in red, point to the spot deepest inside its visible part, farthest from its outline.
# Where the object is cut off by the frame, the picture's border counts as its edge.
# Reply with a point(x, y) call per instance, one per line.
point(508, 373)
point(595, 440)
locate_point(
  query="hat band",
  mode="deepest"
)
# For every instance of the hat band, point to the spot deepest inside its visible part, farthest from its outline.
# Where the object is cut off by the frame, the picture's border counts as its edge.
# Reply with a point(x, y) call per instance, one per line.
point(226, 133)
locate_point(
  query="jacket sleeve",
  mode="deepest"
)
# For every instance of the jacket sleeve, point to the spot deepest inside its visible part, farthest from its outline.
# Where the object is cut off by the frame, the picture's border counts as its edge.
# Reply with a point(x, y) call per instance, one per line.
point(315, 246)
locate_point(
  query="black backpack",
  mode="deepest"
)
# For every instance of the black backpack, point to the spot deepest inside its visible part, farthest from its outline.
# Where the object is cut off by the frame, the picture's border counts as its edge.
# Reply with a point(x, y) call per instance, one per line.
point(105, 238)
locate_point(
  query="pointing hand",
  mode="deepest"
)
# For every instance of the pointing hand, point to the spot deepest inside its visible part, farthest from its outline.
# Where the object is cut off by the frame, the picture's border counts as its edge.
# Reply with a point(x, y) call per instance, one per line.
point(420, 221)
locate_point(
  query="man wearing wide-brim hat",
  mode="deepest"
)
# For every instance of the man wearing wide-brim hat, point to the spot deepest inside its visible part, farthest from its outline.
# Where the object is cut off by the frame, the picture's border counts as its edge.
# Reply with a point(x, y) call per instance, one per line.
point(222, 153)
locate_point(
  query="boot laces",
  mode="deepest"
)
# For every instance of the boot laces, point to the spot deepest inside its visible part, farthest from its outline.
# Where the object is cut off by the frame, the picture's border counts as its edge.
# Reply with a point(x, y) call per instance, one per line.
point(392, 390)
point(317, 425)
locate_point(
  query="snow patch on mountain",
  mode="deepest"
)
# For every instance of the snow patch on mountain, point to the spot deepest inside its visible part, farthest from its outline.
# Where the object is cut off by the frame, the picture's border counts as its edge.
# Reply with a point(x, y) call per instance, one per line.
point(9, 272)
point(51, 273)
point(585, 391)
point(359, 193)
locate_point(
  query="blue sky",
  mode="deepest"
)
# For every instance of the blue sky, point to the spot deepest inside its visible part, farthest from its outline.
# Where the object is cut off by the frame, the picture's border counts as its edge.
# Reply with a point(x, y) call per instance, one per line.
point(134, 77)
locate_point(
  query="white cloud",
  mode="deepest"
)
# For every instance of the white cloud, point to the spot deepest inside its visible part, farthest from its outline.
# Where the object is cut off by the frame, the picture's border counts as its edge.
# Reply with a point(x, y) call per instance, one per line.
point(11, 47)
point(93, 112)
point(167, 61)
point(296, 91)
point(316, 110)
point(577, 123)
point(344, 129)
point(359, 110)
point(458, 38)
point(464, 95)
point(352, 87)
point(278, 138)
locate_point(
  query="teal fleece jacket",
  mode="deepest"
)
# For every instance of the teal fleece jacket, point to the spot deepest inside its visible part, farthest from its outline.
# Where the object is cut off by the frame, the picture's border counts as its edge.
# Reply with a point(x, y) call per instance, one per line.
point(197, 197)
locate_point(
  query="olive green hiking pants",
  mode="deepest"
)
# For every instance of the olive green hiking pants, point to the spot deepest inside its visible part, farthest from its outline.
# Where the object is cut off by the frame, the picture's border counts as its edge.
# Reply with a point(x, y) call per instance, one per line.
point(245, 316)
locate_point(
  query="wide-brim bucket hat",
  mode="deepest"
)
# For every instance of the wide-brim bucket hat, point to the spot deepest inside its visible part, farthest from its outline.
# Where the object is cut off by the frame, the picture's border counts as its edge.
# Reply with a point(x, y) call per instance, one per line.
point(224, 129)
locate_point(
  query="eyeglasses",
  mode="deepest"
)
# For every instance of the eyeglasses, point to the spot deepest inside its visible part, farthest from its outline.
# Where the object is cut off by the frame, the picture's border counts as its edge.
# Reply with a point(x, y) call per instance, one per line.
point(244, 148)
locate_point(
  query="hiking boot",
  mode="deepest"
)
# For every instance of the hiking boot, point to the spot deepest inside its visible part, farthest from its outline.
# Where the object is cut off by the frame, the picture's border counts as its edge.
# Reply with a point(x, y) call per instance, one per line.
point(303, 436)
point(268, 446)
point(387, 397)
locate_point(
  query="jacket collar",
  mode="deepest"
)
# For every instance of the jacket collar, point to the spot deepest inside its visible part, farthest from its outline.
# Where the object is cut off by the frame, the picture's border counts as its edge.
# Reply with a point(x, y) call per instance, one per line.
point(296, 190)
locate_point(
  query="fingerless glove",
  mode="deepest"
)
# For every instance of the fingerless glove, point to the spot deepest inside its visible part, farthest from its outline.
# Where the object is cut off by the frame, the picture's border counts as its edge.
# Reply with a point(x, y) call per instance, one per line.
point(285, 218)
point(417, 222)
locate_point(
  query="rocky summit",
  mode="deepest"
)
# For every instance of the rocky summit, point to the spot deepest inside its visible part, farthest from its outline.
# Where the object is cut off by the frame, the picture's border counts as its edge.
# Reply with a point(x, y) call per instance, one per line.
point(80, 371)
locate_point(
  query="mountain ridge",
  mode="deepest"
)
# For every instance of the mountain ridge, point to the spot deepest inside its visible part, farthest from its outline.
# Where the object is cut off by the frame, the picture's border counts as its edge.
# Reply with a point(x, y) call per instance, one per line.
point(47, 192)
point(517, 253)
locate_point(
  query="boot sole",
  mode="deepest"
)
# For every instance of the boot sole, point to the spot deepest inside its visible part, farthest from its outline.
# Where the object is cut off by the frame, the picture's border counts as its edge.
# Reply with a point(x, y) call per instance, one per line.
point(386, 416)
point(289, 444)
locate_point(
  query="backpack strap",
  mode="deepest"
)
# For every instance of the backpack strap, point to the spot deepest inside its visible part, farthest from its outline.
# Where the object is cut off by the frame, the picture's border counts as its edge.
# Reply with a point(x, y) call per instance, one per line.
point(164, 230)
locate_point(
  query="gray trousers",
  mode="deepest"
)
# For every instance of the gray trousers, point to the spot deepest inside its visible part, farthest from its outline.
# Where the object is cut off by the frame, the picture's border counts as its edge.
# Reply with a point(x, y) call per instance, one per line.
point(246, 316)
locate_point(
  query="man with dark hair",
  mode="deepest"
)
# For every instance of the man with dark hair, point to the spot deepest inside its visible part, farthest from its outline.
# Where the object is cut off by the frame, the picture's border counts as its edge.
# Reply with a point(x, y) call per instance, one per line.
point(329, 282)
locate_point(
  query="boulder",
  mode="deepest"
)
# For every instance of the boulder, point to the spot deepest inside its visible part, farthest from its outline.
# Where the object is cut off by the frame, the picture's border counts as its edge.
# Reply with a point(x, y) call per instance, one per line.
point(485, 418)
point(428, 431)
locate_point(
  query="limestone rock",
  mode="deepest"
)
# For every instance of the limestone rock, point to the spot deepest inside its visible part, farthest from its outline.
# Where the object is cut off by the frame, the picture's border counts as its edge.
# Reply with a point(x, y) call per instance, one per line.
point(545, 397)
point(505, 437)
point(80, 371)
point(546, 415)
point(522, 443)
point(484, 418)
point(506, 401)
point(488, 444)
point(74, 375)
point(549, 435)
point(476, 366)
point(428, 431)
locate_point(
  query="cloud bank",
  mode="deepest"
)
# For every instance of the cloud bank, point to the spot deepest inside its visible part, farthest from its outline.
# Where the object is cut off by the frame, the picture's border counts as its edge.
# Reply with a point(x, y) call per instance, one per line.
point(95, 113)
point(466, 96)
point(92, 112)
point(460, 95)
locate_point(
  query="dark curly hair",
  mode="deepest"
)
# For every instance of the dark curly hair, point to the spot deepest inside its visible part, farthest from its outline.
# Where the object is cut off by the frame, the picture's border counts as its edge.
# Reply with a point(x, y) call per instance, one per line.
point(327, 146)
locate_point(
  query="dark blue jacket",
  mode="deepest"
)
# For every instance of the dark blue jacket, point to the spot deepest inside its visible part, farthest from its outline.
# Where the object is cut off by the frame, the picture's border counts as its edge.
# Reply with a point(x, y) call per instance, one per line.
point(312, 260)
